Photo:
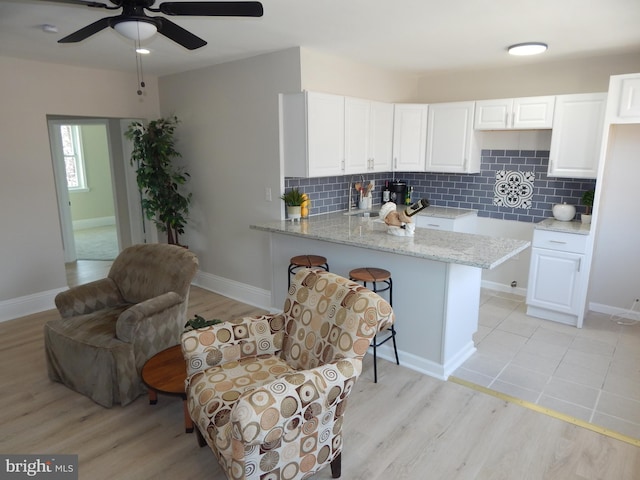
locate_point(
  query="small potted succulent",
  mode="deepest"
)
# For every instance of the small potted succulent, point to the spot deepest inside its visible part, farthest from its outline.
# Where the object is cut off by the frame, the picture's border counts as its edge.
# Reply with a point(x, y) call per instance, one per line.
point(293, 199)
point(587, 201)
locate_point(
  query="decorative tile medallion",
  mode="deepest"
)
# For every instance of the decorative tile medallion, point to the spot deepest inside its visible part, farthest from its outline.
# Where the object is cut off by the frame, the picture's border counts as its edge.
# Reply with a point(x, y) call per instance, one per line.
point(513, 189)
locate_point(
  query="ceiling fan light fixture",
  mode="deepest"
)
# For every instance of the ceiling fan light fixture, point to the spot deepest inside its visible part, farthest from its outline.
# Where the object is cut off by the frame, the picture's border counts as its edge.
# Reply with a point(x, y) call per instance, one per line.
point(135, 29)
point(528, 48)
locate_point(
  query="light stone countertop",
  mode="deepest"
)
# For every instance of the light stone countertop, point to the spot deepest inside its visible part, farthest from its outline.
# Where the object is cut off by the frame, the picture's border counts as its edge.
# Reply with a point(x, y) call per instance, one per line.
point(574, 226)
point(480, 251)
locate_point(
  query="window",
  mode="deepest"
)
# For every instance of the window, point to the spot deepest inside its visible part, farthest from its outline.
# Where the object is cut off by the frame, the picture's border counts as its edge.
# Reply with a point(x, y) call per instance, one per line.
point(73, 161)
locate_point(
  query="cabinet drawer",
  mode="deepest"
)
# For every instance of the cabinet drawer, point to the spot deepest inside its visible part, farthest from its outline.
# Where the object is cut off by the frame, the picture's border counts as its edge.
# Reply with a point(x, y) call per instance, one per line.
point(564, 242)
point(436, 223)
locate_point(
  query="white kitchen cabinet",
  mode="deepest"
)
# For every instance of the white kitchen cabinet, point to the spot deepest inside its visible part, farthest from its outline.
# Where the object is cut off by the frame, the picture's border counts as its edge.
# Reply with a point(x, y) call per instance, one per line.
point(515, 113)
point(312, 134)
point(558, 277)
point(452, 145)
point(576, 137)
point(368, 136)
point(624, 98)
point(409, 137)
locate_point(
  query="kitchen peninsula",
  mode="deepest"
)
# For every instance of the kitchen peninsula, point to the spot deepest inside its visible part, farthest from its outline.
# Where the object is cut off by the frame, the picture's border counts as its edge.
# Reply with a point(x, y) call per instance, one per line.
point(436, 278)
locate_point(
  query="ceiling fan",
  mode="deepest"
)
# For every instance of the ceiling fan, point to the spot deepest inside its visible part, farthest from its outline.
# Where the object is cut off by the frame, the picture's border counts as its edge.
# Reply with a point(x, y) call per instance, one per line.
point(135, 24)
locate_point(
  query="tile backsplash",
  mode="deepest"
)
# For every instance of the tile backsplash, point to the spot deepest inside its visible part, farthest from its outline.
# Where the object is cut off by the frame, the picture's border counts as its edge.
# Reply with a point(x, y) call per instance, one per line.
point(475, 191)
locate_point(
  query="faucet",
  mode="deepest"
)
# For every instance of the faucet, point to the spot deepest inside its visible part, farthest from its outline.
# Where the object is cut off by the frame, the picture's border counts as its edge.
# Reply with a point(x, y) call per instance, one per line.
point(352, 184)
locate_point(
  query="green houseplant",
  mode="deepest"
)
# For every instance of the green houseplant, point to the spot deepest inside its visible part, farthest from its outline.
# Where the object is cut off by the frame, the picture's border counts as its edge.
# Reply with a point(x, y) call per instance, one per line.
point(294, 199)
point(158, 178)
point(587, 201)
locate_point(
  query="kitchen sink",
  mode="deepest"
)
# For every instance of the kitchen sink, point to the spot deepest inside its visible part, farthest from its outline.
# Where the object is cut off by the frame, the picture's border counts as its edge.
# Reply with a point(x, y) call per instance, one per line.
point(363, 214)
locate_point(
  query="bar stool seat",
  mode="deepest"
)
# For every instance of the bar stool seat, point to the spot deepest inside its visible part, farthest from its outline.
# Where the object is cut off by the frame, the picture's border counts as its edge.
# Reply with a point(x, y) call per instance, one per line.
point(377, 276)
point(306, 261)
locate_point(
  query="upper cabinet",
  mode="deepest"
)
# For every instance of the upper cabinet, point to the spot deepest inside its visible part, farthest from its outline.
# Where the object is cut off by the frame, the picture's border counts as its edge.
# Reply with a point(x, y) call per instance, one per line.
point(624, 98)
point(515, 113)
point(576, 137)
point(368, 136)
point(324, 135)
point(452, 146)
point(409, 137)
point(312, 134)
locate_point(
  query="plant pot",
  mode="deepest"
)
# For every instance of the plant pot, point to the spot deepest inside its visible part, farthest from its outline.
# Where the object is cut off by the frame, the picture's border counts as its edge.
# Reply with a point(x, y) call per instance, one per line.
point(293, 212)
point(586, 219)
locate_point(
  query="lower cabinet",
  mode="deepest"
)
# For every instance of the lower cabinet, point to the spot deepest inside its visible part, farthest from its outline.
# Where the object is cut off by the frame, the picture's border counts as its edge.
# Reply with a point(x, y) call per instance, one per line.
point(557, 277)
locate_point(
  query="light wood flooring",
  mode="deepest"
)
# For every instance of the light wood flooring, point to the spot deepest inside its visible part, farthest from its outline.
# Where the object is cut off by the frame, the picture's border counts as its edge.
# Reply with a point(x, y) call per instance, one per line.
point(407, 426)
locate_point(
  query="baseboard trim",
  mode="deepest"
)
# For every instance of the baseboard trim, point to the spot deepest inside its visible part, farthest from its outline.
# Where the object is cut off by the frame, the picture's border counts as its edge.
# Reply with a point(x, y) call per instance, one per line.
point(27, 305)
point(629, 314)
point(241, 292)
point(93, 223)
point(501, 287)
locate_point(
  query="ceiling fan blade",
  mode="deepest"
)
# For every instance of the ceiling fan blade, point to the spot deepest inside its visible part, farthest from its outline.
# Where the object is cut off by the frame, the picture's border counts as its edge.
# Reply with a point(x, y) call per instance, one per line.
point(213, 9)
point(178, 34)
point(87, 31)
point(83, 3)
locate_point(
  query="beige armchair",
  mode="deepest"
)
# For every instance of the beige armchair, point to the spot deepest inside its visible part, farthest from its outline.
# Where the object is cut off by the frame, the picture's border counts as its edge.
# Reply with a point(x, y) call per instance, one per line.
point(268, 393)
point(111, 327)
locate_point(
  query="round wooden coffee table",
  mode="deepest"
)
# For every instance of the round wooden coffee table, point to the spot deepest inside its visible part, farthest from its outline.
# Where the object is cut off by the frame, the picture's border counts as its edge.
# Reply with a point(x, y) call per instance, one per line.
point(166, 372)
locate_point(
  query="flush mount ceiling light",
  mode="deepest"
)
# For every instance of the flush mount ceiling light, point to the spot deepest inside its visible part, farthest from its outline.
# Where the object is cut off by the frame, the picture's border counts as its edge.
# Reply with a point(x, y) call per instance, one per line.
point(136, 29)
point(529, 48)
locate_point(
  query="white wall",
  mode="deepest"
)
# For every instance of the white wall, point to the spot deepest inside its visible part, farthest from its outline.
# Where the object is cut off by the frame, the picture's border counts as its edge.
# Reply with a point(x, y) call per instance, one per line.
point(615, 272)
point(327, 73)
point(526, 78)
point(31, 260)
point(229, 141)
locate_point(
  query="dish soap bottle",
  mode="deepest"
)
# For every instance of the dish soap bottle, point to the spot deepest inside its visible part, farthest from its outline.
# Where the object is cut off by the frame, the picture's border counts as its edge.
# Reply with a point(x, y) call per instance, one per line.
point(385, 192)
point(407, 198)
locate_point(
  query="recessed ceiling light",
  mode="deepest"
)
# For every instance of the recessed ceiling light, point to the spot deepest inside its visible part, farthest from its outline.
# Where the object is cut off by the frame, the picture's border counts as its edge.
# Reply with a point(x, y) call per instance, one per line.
point(529, 48)
point(143, 51)
point(48, 28)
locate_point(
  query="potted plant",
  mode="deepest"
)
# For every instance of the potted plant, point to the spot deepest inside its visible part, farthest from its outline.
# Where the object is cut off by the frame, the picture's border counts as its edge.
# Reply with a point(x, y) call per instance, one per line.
point(587, 201)
point(293, 199)
point(158, 178)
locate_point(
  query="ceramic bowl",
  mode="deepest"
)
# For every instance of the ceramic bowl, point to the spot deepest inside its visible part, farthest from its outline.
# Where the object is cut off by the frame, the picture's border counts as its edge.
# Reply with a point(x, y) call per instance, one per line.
point(564, 212)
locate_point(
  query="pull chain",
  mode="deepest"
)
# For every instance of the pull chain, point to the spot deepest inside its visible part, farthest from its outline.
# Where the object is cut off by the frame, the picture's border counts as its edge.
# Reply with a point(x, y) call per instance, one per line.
point(139, 64)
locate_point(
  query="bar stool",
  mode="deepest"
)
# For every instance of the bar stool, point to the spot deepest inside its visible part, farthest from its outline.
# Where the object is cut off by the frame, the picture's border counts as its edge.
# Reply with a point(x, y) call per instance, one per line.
point(305, 261)
point(375, 276)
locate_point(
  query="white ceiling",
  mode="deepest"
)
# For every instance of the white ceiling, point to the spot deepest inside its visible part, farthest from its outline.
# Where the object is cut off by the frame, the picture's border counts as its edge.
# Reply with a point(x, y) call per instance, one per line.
point(406, 35)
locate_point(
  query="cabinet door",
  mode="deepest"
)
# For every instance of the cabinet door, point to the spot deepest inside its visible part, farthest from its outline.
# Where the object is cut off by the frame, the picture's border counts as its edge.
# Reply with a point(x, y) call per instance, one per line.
point(451, 145)
point(380, 137)
point(493, 114)
point(514, 113)
point(627, 93)
point(409, 137)
point(532, 112)
point(577, 135)
point(325, 134)
point(356, 135)
point(555, 280)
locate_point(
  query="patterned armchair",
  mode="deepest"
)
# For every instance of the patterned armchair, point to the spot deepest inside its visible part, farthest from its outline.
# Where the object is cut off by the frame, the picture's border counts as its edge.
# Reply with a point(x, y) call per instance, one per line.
point(268, 393)
point(111, 327)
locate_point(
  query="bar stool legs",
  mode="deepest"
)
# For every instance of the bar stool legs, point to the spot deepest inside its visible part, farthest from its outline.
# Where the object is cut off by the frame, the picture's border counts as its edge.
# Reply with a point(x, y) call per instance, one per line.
point(305, 261)
point(375, 276)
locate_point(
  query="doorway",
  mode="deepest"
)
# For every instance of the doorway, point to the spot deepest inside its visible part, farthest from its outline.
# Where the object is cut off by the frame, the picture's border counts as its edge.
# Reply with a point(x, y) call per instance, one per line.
point(98, 199)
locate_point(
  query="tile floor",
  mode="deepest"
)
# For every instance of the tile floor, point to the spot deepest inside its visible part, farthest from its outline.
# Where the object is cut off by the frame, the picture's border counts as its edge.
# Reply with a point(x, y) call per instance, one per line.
point(592, 373)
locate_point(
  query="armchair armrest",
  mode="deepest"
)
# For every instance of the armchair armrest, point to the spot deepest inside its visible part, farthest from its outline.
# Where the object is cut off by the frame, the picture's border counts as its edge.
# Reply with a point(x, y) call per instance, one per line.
point(88, 298)
point(129, 320)
point(231, 341)
point(302, 395)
